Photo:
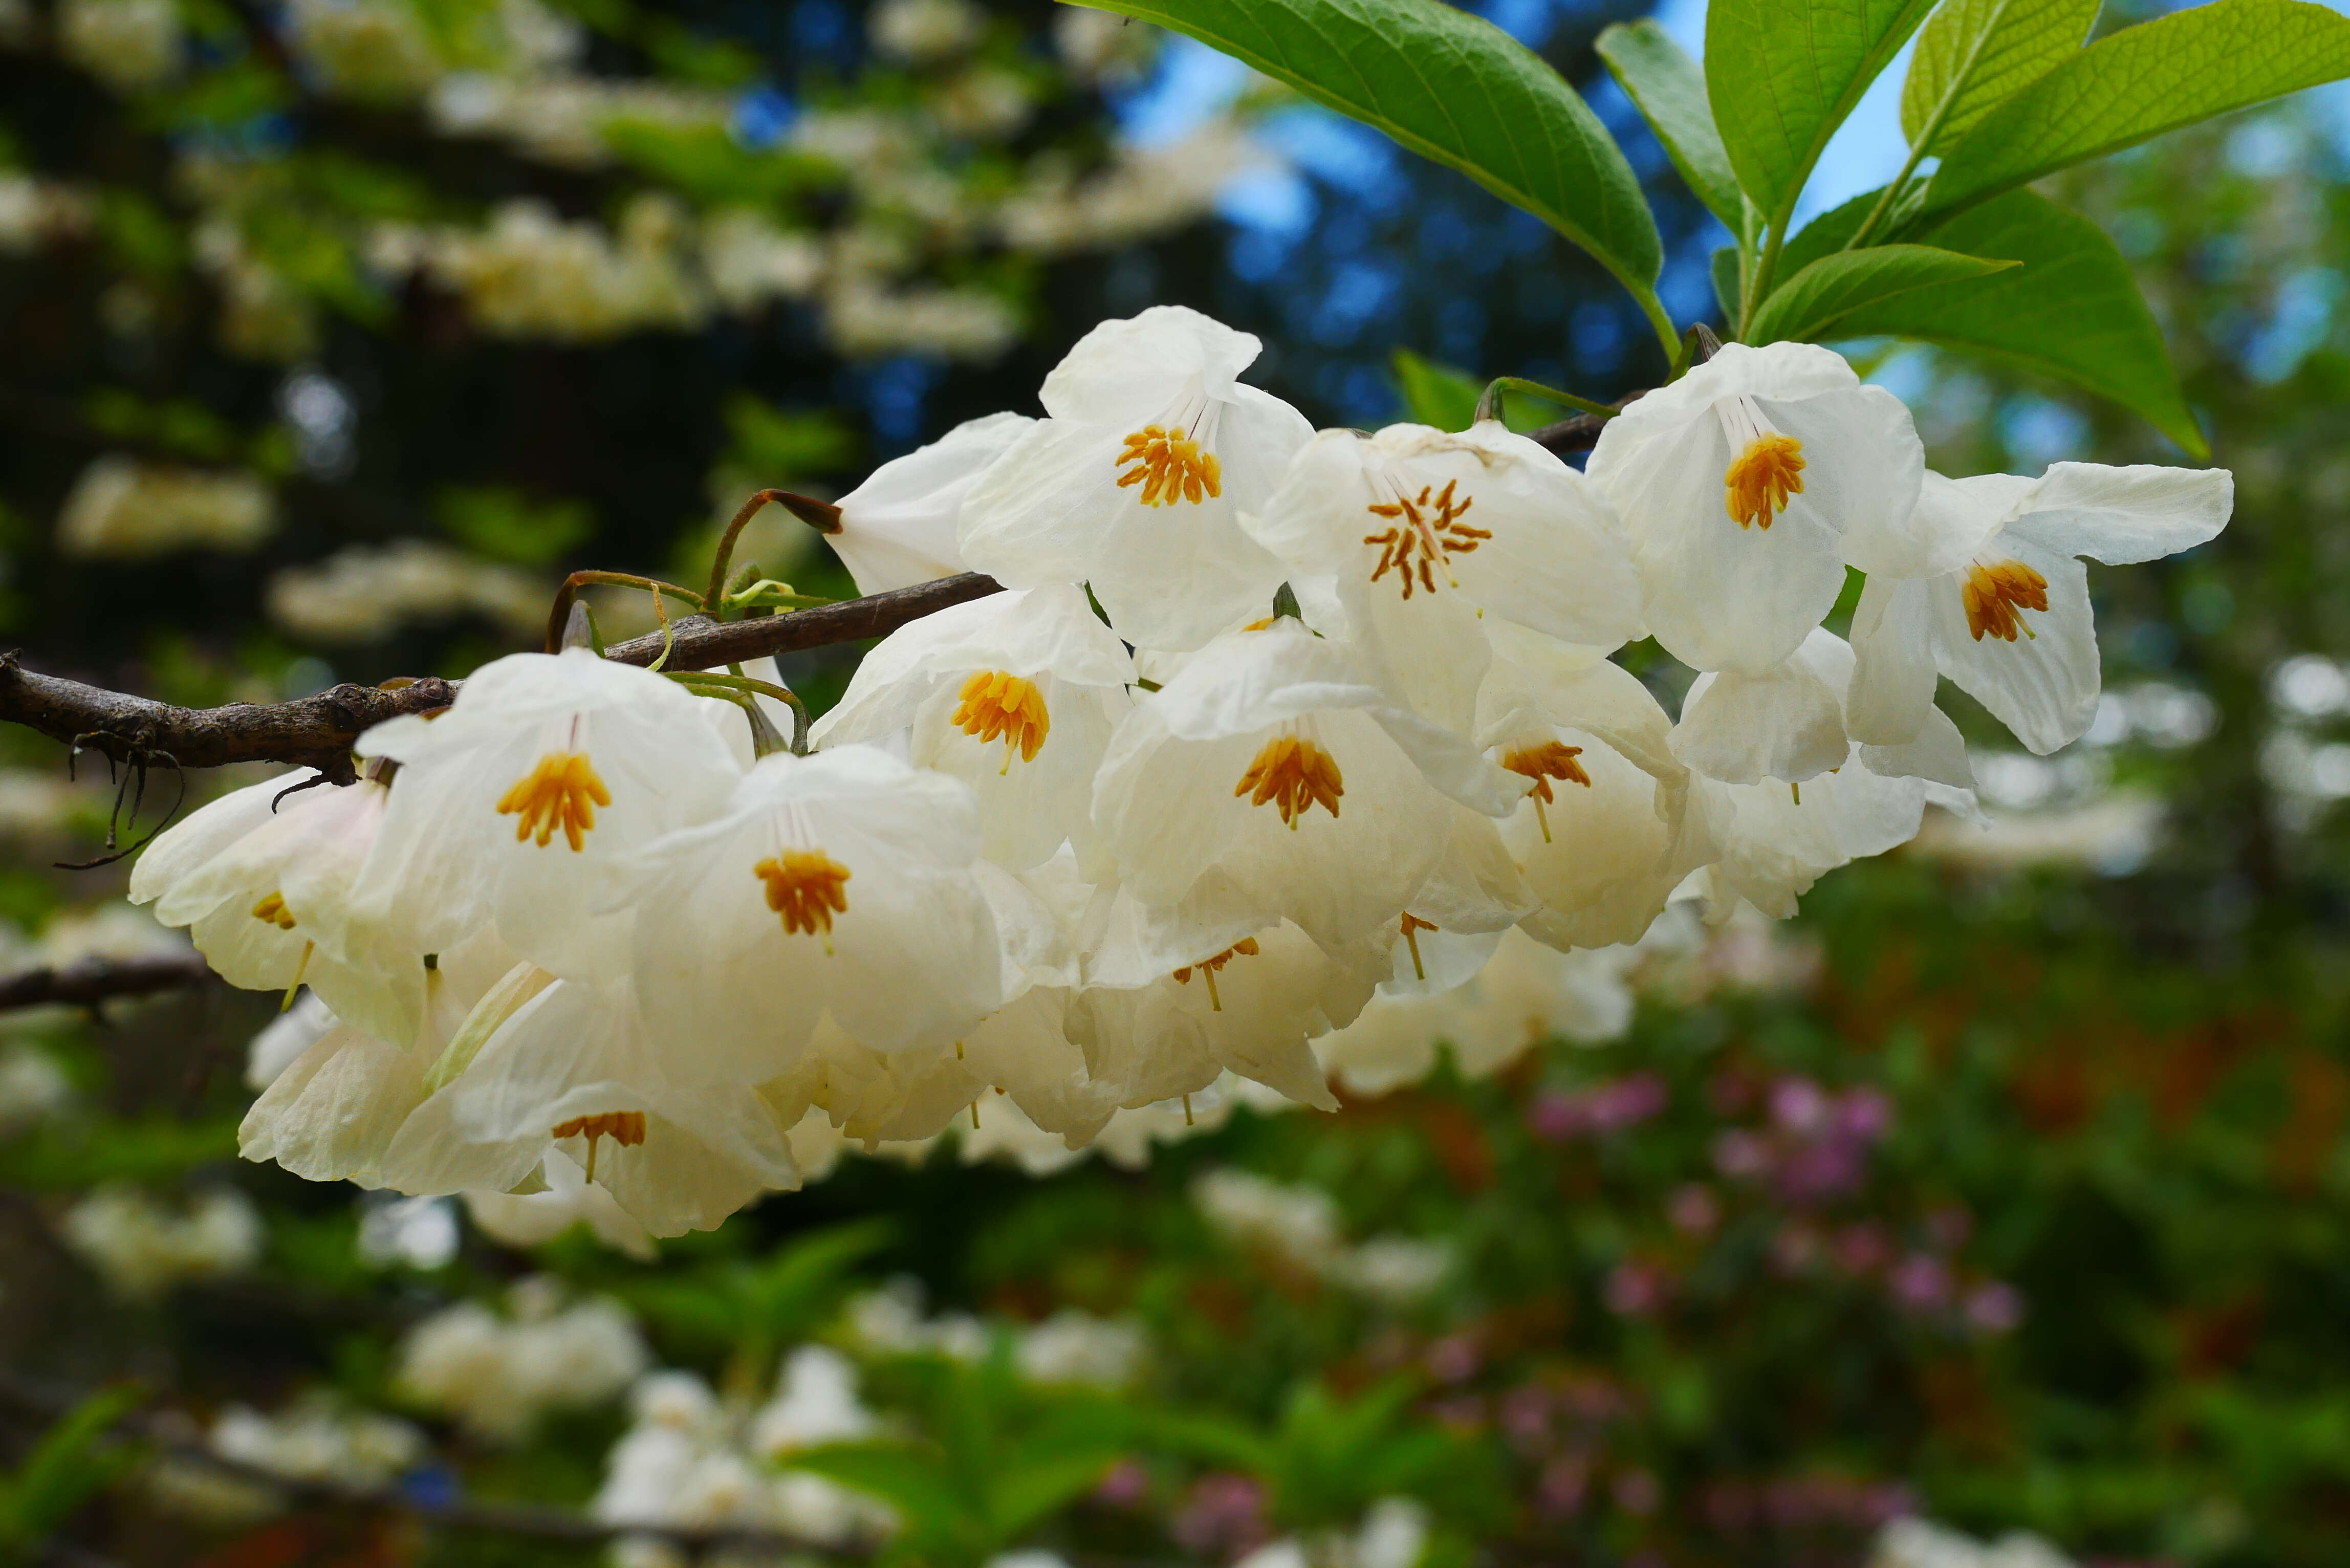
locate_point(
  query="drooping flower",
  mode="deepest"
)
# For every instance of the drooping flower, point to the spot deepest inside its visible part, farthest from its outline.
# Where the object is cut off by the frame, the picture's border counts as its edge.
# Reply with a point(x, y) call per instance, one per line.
point(517, 807)
point(898, 528)
point(1998, 599)
point(1774, 841)
point(1406, 540)
point(1737, 484)
point(576, 1070)
point(1135, 484)
point(840, 882)
point(1272, 779)
point(1608, 827)
point(263, 878)
point(332, 1113)
point(1789, 724)
point(1015, 694)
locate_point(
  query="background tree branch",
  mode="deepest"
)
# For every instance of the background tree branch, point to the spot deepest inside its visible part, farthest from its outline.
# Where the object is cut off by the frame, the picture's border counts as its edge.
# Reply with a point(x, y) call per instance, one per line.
point(91, 981)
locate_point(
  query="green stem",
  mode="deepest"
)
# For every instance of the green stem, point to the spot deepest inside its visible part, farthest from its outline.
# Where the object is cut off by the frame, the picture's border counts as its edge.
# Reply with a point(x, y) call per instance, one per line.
point(716, 598)
point(559, 617)
point(1861, 235)
point(1659, 322)
point(1777, 233)
point(1489, 402)
point(744, 683)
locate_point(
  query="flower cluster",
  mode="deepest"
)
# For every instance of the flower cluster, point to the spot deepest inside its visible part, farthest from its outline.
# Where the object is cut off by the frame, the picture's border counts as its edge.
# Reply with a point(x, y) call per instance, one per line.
point(499, 1376)
point(1265, 721)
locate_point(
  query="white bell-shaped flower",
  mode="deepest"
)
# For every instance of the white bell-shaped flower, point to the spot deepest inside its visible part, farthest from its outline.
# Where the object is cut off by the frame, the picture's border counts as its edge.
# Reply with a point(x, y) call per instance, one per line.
point(518, 806)
point(1788, 724)
point(898, 528)
point(1272, 779)
point(1135, 484)
point(558, 1199)
point(1015, 694)
point(1999, 601)
point(331, 1114)
point(1524, 994)
point(1406, 540)
point(575, 1070)
point(1605, 829)
point(1774, 840)
point(262, 879)
point(840, 882)
point(1737, 484)
point(1251, 1007)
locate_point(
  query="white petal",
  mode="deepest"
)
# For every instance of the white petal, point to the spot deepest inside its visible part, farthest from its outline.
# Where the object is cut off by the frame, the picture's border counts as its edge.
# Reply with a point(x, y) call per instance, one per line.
point(2118, 516)
point(1786, 723)
point(898, 528)
point(1126, 370)
point(1939, 753)
point(1894, 675)
point(1952, 518)
point(1023, 633)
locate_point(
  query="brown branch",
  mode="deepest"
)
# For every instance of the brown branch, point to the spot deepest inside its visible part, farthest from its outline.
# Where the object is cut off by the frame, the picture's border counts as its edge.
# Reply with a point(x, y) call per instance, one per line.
point(310, 732)
point(1580, 433)
point(704, 644)
point(318, 732)
point(89, 982)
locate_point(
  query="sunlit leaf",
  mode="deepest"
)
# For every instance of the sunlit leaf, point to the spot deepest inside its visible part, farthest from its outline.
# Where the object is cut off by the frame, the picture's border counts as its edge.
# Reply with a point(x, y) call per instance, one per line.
point(1669, 89)
point(2140, 82)
point(1833, 287)
point(1974, 55)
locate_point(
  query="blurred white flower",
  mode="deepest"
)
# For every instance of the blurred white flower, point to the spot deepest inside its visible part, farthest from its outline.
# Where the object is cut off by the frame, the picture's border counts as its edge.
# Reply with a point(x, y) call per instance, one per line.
point(126, 43)
point(1920, 1543)
point(499, 1376)
point(1075, 1348)
point(124, 509)
point(141, 1247)
point(33, 1088)
point(365, 593)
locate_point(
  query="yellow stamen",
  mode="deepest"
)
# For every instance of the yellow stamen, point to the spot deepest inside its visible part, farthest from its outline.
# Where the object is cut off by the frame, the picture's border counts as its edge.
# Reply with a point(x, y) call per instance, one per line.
point(1996, 594)
point(974, 1115)
point(301, 967)
point(1550, 759)
point(1293, 773)
point(1412, 926)
point(273, 910)
point(996, 702)
point(626, 1128)
point(561, 792)
point(804, 886)
point(1186, 1111)
point(1418, 543)
point(1169, 466)
point(1761, 478)
point(1244, 947)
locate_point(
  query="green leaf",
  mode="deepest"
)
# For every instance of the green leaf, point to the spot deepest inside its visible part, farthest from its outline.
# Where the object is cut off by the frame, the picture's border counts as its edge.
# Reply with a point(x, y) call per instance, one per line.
point(1435, 395)
point(68, 1465)
point(1974, 55)
point(2072, 311)
point(1783, 74)
point(1019, 1495)
point(1728, 286)
point(1836, 285)
point(1669, 89)
point(2140, 82)
point(1454, 88)
point(917, 1485)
